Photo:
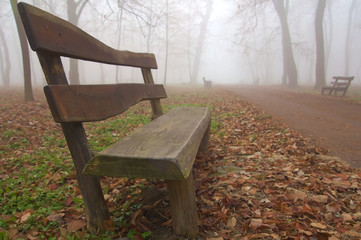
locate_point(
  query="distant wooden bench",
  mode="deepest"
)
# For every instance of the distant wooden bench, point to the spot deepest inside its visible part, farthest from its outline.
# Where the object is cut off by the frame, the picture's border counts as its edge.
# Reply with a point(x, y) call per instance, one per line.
point(207, 83)
point(340, 84)
point(163, 149)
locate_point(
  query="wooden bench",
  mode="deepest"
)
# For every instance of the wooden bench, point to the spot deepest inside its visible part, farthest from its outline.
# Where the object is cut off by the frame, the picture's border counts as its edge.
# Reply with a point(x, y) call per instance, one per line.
point(163, 149)
point(207, 83)
point(340, 84)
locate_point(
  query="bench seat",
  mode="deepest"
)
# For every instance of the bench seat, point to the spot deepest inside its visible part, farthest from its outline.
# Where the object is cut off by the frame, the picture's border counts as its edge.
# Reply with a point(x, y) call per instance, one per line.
point(163, 149)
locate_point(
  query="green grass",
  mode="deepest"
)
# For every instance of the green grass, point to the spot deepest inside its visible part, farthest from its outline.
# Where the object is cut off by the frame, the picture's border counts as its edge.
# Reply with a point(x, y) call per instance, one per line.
point(26, 177)
point(28, 172)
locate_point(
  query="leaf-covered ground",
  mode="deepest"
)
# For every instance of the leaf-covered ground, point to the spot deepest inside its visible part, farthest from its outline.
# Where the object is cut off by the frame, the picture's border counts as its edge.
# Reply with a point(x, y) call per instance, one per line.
point(259, 180)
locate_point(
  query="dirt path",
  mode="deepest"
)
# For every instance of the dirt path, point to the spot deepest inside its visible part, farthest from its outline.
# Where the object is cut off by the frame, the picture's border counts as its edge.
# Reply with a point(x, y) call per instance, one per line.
point(332, 122)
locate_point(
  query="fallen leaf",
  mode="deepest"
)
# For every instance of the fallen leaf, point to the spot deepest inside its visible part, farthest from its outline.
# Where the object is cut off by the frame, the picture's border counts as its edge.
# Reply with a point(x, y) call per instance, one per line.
point(333, 208)
point(296, 195)
point(259, 235)
point(318, 225)
point(346, 217)
point(24, 217)
point(256, 222)
point(353, 233)
point(308, 233)
point(75, 225)
point(52, 186)
point(231, 222)
point(55, 217)
point(320, 198)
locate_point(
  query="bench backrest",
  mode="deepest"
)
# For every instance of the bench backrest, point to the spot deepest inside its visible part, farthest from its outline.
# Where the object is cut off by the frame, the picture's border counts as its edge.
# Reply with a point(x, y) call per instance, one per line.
point(47, 32)
point(343, 78)
point(52, 37)
point(342, 81)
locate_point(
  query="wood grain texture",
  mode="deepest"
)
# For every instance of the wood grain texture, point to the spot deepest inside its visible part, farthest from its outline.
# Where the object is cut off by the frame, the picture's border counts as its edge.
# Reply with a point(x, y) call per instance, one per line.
point(52, 67)
point(95, 205)
point(155, 103)
point(47, 32)
point(84, 103)
point(183, 206)
point(163, 149)
point(98, 215)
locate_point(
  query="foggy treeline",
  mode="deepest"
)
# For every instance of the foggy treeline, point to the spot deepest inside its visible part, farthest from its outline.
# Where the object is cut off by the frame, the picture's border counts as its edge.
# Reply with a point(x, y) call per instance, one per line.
point(226, 41)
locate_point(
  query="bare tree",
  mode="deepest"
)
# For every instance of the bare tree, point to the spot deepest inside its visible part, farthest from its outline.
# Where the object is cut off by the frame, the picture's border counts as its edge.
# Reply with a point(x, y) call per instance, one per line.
point(6, 64)
point(328, 34)
point(28, 91)
point(200, 41)
point(320, 49)
point(74, 10)
point(166, 41)
point(251, 36)
point(119, 22)
point(289, 64)
point(348, 41)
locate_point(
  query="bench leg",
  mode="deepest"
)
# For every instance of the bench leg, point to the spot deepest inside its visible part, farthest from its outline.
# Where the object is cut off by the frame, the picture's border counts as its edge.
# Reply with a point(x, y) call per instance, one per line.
point(203, 147)
point(183, 206)
point(96, 209)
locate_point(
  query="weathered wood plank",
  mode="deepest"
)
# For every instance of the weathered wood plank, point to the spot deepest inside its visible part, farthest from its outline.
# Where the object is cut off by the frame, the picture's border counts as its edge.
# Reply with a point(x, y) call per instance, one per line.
point(95, 206)
point(155, 103)
point(98, 215)
point(49, 33)
point(163, 149)
point(84, 103)
point(183, 206)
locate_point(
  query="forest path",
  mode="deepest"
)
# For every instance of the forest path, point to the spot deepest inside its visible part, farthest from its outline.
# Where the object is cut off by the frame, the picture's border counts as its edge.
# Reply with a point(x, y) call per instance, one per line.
point(331, 122)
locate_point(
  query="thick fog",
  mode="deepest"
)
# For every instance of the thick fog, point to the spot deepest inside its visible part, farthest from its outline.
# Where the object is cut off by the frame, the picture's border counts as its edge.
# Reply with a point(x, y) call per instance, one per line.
point(242, 39)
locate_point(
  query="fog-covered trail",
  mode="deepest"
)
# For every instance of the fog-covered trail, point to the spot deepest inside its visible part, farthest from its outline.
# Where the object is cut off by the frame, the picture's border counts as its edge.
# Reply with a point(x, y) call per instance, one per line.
point(333, 123)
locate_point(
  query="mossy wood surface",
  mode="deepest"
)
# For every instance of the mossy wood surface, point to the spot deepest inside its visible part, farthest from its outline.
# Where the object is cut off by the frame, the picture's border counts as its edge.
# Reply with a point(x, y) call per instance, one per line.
point(163, 149)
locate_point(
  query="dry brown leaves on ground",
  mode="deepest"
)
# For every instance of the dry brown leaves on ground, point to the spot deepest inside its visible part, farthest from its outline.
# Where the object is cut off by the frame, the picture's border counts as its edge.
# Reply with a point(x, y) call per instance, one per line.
point(259, 180)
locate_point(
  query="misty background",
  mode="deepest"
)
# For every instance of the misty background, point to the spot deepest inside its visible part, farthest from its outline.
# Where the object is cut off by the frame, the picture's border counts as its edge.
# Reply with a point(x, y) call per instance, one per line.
point(225, 41)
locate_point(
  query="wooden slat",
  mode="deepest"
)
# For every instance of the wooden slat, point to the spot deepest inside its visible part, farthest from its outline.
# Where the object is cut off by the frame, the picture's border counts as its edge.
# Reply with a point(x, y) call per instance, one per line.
point(85, 103)
point(163, 149)
point(49, 33)
point(343, 78)
point(156, 107)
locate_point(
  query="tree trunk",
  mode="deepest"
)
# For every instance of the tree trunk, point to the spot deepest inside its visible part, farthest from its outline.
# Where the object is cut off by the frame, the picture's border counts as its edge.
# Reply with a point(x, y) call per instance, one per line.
point(120, 6)
point(348, 42)
point(74, 71)
point(5, 68)
point(328, 36)
point(28, 91)
point(74, 11)
point(166, 42)
point(289, 64)
point(320, 57)
point(200, 42)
